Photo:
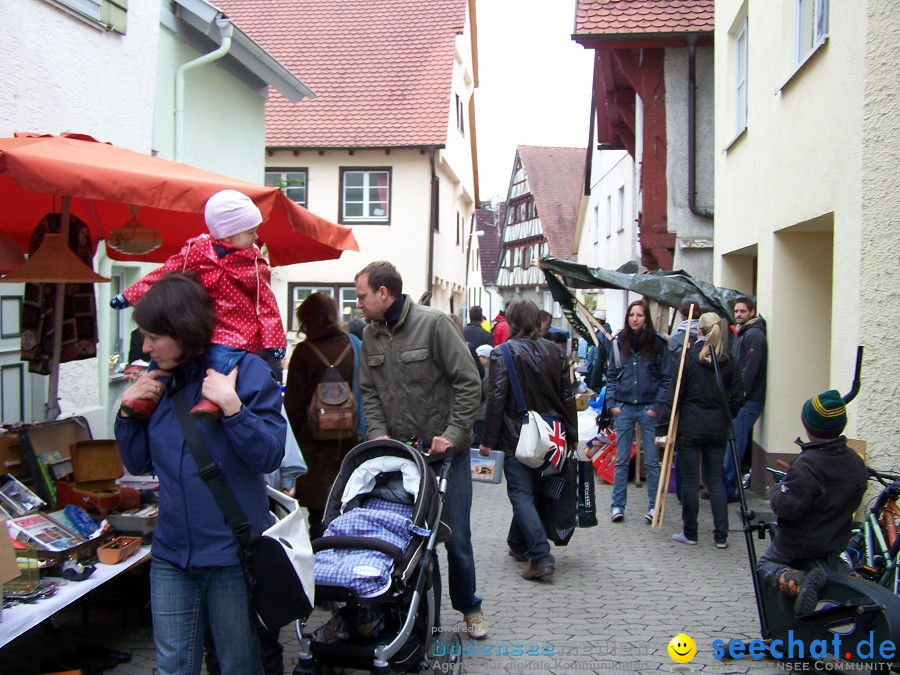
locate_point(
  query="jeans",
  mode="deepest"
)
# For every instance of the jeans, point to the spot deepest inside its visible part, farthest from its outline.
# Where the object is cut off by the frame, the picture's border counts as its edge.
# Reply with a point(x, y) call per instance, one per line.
point(477, 429)
point(743, 425)
point(630, 415)
point(691, 452)
point(222, 359)
point(773, 563)
point(183, 601)
point(526, 531)
point(460, 557)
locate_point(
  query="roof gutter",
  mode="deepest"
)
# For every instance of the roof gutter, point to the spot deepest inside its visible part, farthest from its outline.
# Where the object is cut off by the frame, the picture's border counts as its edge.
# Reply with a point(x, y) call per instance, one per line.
point(692, 133)
point(433, 219)
point(226, 30)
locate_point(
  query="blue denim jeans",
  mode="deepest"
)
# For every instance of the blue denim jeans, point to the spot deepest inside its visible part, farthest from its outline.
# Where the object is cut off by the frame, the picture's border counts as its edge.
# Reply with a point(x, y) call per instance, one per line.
point(743, 425)
point(691, 452)
point(526, 531)
point(630, 415)
point(184, 601)
point(460, 556)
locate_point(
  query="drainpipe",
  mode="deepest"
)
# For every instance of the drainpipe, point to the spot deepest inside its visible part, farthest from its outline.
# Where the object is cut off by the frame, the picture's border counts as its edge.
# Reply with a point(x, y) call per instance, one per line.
point(226, 29)
point(433, 219)
point(692, 131)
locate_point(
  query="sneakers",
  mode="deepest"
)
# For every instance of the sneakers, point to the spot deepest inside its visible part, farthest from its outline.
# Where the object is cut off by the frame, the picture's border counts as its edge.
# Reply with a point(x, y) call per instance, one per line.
point(475, 625)
point(617, 514)
point(721, 544)
point(649, 515)
point(681, 539)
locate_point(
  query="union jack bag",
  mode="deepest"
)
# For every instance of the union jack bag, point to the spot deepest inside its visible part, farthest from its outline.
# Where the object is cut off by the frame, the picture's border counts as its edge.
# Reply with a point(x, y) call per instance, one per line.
point(542, 439)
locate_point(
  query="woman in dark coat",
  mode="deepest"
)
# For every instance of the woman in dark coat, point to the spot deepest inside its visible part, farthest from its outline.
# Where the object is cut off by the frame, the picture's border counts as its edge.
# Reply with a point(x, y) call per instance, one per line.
point(703, 423)
point(318, 320)
point(544, 380)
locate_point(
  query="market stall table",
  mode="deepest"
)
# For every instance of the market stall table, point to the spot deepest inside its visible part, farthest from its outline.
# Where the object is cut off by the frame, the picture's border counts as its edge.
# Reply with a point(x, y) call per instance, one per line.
point(20, 618)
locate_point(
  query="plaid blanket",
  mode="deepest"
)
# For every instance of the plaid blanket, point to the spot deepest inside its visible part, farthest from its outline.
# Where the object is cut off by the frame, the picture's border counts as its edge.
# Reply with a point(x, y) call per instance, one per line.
point(367, 572)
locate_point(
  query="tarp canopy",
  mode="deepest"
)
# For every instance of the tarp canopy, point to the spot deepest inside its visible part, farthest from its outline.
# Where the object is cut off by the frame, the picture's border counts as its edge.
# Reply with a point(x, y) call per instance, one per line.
point(108, 186)
point(669, 288)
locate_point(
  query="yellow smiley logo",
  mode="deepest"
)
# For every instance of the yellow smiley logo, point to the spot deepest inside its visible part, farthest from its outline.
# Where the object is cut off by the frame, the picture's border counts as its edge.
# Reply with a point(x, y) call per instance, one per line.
point(682, 648)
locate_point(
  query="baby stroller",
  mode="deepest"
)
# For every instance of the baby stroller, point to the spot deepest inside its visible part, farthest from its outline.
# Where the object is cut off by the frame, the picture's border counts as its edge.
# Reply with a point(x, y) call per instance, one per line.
point(373, 567)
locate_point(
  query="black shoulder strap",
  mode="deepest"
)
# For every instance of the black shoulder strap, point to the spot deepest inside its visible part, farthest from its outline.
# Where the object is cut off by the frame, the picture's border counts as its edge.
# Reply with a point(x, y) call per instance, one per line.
point(514, 379)
point(209, 471)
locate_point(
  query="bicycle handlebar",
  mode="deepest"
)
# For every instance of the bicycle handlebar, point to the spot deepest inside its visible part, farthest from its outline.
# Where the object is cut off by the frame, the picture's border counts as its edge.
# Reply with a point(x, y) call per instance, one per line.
point(883, 478)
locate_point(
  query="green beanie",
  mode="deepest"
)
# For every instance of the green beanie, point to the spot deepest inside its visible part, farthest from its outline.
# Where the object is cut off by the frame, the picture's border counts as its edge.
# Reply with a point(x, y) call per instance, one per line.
point(825, 415)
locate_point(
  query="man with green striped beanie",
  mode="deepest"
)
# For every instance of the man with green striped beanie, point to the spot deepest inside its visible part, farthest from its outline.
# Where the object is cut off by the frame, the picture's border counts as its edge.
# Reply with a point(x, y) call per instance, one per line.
point(814, 503)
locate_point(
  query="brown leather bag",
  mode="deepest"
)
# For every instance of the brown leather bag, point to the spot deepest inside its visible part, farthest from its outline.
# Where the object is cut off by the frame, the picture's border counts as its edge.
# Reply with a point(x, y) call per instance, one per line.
point(333, 414)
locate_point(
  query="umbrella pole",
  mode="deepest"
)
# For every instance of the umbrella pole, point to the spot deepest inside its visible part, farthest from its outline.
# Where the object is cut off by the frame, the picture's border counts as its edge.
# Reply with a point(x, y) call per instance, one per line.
point(668, 454)
point(52, 409)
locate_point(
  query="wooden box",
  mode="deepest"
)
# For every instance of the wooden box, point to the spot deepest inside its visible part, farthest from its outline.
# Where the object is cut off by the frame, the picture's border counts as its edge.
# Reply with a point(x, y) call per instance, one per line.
point(96, 465)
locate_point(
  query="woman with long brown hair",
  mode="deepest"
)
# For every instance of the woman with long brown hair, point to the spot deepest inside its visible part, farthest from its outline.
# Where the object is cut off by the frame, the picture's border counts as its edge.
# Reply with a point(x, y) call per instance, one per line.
point(318, 320)
point(636, 383)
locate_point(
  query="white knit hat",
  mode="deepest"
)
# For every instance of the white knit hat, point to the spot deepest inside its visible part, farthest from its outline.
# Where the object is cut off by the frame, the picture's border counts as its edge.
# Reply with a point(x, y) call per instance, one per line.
point(230, 212)
point(483, 350)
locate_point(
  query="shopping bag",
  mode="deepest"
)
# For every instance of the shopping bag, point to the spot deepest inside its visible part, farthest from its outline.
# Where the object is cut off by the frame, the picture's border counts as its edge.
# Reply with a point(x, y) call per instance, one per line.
point(586, 506)
point(556, 503)
point(278, 565)
point(542, 443)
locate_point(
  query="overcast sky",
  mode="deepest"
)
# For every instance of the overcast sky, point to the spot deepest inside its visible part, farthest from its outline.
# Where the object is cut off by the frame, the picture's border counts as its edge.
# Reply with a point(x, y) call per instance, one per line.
point(534, 84)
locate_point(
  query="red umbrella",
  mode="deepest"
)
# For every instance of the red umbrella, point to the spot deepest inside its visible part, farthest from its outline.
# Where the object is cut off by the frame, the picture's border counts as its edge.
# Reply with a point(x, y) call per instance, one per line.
point(125, 196)
point(110, 186)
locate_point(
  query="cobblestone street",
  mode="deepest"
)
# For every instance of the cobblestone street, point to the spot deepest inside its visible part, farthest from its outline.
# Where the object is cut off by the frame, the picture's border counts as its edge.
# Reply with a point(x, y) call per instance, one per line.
point(620, 593)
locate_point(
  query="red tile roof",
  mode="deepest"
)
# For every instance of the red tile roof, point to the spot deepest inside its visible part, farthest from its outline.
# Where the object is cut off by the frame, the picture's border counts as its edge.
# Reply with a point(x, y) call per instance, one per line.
point(556, 179)
point(627, 17)
point(381, 69)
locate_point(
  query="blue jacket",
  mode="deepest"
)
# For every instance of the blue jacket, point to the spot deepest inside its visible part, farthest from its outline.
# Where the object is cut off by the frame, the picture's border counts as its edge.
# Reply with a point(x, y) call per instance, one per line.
point(190, 529)
point(639, 378)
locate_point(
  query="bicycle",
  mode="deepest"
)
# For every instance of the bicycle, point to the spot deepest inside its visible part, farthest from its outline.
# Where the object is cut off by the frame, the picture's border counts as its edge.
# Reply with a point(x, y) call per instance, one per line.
point(874, 548)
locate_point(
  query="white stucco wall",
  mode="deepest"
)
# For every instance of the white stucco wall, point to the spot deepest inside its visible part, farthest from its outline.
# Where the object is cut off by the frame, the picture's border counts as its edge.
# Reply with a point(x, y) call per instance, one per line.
point(804, 191)
point(61, 74)
point(404, 241)
point(693, 249)
point(224, 120)
point(879, 284)
point(610, 171)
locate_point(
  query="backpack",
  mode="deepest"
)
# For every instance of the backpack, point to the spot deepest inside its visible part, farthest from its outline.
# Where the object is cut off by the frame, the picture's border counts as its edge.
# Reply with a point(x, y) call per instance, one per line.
point(333, 414)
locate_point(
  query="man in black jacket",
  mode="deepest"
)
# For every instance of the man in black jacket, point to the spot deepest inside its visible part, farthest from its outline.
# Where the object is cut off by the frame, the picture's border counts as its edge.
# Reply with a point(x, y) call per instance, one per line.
point(750, 353)
point(473, 331)
point(814, 503)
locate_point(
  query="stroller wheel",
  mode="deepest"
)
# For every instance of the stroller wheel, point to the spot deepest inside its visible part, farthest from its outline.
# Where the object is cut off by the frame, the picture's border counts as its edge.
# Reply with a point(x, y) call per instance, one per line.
point(446, 654)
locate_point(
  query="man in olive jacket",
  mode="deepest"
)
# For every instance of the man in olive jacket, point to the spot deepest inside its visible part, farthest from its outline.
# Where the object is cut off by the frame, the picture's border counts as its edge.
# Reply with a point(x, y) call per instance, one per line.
point(418, 378)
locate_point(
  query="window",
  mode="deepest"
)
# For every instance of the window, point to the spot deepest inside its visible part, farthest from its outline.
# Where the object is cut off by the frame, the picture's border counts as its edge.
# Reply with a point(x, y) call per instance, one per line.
point(460, 116)
point(12, 397)
point(595, 226)
point(344, 294)
point(291, 181)
point(620, 209)
point(740, 87)
point(365, 195)
point(103, 14)
point(812, 27)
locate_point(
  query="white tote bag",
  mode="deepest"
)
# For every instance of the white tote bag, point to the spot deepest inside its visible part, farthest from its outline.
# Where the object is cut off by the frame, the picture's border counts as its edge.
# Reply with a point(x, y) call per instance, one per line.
point(542, 443)
point(542, 439)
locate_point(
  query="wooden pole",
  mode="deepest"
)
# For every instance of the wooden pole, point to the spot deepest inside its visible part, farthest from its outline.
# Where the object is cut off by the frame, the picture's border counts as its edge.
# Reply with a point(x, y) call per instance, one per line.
point(668, 453)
